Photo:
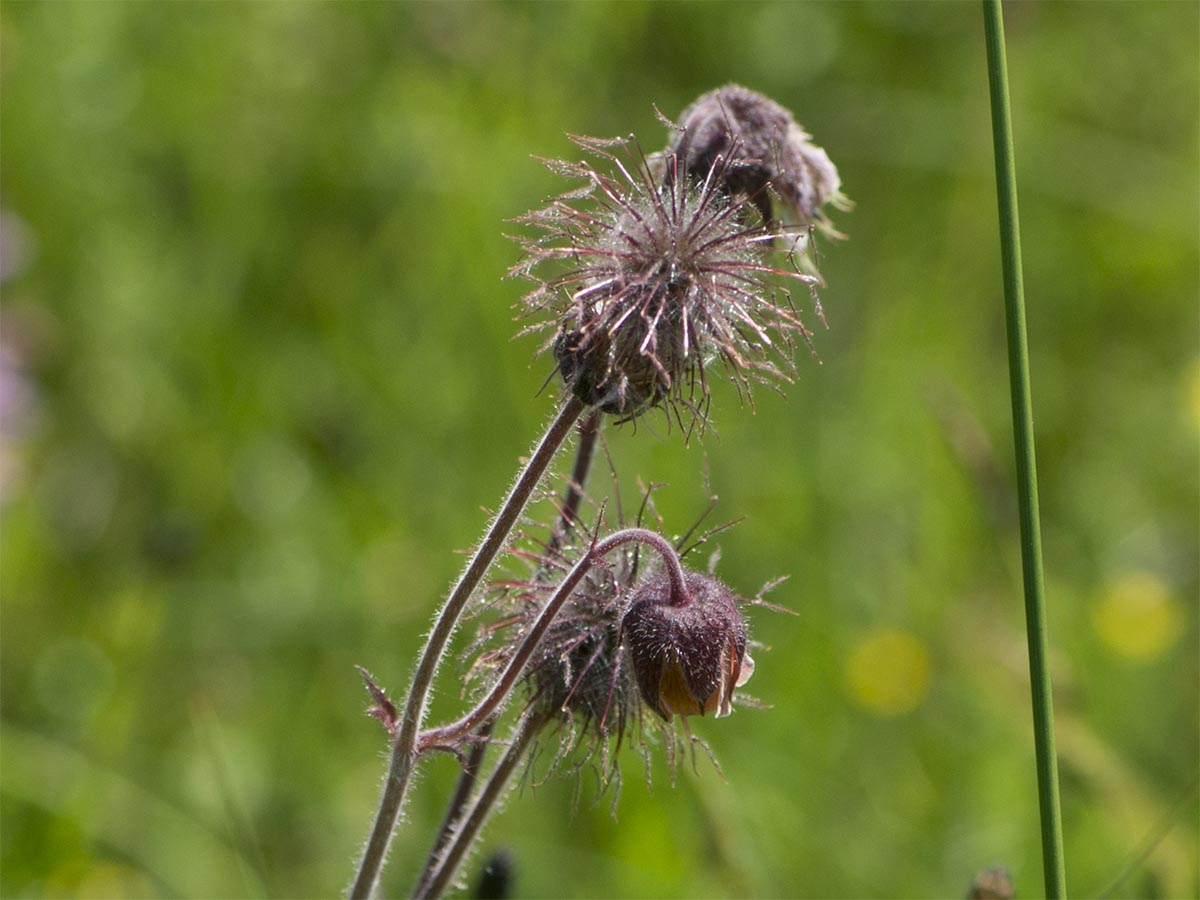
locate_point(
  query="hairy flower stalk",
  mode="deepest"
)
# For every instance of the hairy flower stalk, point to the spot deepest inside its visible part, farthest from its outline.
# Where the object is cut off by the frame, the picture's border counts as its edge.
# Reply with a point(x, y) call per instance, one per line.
point(444, 865)
point(587, 619)
point(405, 748)
point(568, 515)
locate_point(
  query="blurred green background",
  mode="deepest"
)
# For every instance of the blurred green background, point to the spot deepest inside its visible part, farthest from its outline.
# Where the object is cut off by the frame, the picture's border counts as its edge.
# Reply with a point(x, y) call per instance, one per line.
point(258, 382)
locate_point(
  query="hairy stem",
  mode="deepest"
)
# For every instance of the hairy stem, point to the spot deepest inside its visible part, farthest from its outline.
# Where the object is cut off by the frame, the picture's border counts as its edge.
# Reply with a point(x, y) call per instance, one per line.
point(404, 751)
point(458, 801)
point(1022, 415)
point(434, 882)
point(448, 736)
point(589, 433)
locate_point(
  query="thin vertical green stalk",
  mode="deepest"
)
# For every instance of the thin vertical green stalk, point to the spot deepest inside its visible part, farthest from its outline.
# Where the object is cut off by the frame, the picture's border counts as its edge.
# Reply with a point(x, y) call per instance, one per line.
point(1022, 414)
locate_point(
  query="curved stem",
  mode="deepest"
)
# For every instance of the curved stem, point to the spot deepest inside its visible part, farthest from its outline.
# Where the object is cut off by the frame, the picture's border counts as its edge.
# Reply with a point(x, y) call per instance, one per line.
point(670, 557)
point(450, 735)
point(1027, 494)
point(405, 749)
point(434, 883)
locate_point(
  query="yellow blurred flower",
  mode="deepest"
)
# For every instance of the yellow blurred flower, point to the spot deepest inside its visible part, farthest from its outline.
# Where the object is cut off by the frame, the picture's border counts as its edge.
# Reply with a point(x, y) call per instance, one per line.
point(86, 878)
point(1136, 616)
point(888, 672)
point(1191, 387)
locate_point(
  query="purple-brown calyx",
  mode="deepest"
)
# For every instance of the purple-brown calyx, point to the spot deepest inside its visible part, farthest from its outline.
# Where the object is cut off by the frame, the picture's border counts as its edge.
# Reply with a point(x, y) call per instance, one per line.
point(687, 657)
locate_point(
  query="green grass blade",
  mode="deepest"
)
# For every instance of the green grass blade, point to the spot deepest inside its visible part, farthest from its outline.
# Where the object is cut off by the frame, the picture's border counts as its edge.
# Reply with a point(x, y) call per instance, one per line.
point(1022, 407)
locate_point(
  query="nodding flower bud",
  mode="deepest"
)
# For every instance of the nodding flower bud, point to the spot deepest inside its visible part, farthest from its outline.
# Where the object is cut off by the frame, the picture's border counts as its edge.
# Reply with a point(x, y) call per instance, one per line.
point(769, 156)
point(687, 656)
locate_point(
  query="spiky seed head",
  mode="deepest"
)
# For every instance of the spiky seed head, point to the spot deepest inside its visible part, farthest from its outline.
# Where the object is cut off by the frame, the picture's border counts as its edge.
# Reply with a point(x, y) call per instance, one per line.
point(613, 372)
point(645, 276)
point(577, 673)
point(688, 657)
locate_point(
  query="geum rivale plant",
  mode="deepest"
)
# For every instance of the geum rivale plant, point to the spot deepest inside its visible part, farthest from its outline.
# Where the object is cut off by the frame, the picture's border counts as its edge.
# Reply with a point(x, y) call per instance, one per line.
point(654, 273)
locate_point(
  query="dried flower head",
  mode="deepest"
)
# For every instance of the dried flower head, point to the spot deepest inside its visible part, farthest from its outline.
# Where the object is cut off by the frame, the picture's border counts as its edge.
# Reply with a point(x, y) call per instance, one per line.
point(687, 656)
point(767, 156)
point(645, 275)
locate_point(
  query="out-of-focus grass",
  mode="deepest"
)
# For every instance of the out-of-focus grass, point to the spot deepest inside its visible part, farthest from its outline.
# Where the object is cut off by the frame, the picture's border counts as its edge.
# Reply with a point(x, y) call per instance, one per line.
point(258, 381)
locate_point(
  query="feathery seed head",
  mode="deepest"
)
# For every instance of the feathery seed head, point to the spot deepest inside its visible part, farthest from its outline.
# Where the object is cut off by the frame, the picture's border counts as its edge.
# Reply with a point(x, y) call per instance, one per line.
point(646, 275)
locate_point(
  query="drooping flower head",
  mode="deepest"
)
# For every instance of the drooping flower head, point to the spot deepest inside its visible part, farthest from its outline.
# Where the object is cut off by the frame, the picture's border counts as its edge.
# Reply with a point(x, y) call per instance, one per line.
point(687, 657)
point(769, 157)
point(645, 275)
point(615, 665)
